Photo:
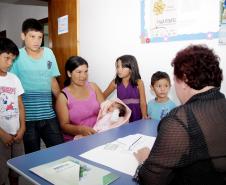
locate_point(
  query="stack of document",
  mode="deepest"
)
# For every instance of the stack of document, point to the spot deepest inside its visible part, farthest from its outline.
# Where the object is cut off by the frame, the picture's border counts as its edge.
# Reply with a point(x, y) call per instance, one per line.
point(71, 171)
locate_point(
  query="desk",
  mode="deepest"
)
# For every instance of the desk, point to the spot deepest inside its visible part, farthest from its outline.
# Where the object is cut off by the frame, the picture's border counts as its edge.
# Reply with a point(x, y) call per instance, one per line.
point(22, 164)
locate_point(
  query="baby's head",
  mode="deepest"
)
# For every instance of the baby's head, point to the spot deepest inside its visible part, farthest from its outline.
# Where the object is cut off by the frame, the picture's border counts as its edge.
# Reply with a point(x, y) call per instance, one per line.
point(119, 106)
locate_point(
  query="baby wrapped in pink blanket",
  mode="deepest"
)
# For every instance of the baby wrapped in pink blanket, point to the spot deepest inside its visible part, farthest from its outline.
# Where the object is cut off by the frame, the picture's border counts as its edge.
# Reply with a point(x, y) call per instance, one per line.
point(113, 113)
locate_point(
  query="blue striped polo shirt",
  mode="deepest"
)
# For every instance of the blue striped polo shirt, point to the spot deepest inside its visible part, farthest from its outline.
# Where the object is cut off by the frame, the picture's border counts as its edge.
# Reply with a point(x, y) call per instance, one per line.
point(35, 76)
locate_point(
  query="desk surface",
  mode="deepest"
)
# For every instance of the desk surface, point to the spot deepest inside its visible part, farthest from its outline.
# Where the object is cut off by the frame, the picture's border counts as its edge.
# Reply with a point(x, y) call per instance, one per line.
point(23, 163)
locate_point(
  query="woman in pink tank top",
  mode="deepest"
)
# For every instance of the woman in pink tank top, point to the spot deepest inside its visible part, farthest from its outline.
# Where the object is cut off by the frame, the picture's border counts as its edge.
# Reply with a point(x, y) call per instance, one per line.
point(78, 104)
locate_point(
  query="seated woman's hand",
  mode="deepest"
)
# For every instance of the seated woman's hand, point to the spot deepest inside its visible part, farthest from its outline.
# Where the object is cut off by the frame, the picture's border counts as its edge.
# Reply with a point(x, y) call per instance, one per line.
point(142, 154)
point(85, 131)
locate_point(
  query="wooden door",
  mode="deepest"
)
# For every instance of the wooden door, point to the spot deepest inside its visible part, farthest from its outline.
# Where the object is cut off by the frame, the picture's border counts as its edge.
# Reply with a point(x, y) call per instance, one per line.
point(63, 45)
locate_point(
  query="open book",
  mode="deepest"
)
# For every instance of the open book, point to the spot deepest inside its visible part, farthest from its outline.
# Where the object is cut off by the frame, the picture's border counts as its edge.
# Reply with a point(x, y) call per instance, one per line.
point(71, 171)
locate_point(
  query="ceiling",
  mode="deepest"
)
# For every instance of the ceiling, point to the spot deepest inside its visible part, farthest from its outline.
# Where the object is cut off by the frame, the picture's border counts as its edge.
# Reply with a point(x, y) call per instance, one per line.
point(27, 2)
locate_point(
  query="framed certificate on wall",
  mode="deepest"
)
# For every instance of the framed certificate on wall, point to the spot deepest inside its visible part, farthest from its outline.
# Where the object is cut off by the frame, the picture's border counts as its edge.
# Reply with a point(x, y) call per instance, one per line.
point(174, 20)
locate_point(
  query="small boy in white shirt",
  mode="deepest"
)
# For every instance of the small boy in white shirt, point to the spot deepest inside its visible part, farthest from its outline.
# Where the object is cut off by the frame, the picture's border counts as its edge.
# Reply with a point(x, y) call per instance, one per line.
point(12, 114)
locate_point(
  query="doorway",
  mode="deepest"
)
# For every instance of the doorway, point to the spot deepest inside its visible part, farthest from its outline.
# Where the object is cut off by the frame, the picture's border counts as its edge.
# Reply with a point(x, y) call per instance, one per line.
point(45, 41)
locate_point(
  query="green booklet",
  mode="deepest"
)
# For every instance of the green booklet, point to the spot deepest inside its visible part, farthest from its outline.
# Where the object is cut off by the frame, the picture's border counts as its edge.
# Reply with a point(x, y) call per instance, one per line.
point(71, 171)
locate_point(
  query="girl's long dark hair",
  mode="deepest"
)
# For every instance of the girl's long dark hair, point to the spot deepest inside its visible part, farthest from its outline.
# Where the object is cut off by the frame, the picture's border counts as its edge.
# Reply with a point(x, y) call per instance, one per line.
point(130, 62)
point(72, 63)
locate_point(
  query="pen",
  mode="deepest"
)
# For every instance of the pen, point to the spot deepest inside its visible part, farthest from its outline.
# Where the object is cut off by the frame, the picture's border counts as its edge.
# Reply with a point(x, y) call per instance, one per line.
point(134, 142)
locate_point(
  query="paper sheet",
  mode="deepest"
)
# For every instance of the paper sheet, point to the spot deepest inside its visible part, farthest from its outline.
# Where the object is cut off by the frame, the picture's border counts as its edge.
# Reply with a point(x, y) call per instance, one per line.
point(119, 154)
point(62, 173)
point(71, 171)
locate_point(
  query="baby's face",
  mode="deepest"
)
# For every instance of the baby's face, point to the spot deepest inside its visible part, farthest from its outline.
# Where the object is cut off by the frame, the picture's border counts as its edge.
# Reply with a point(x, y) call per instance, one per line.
point(113, 107)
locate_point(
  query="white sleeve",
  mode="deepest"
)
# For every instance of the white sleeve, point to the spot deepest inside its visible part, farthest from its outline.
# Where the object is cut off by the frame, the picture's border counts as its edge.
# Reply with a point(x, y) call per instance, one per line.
point(19, 87)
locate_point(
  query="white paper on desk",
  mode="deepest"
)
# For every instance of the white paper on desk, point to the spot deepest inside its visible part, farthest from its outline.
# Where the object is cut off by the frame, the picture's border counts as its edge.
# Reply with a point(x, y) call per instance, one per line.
point(71, 171)
point(59, 173)
point(119, 153)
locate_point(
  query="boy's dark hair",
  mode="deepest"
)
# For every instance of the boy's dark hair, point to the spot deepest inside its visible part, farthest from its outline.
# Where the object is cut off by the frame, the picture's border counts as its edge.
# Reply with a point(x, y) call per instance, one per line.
point(8, 46)
point(122, 110)
point(158, 76)
point(32, 25)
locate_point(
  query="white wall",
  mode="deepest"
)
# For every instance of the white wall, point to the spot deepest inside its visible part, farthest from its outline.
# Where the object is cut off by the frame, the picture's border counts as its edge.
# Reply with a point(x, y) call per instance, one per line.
point(12, 17)
point(111, 28)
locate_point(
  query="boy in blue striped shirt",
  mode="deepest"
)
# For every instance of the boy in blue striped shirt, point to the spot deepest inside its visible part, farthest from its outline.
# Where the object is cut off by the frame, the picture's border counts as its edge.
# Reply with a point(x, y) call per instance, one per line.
point(37, 69)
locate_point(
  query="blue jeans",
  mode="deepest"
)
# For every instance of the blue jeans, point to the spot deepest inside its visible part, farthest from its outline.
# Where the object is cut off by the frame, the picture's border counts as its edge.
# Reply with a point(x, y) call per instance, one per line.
point(48, 130)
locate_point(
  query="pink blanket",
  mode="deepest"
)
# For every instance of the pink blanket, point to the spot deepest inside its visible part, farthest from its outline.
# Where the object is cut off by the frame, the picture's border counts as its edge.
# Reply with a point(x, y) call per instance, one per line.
point(103, 120)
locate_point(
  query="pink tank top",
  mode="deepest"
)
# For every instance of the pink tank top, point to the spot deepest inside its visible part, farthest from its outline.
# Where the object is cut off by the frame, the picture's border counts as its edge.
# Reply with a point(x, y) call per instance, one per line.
point(82, 112)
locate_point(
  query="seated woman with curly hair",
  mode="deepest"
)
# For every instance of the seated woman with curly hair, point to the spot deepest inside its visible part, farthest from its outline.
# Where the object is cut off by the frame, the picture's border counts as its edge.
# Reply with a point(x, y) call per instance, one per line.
point(190, 146)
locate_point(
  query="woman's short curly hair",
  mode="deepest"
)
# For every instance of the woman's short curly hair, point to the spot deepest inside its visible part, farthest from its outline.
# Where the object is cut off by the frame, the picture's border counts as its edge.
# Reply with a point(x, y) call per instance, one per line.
point(198, 66)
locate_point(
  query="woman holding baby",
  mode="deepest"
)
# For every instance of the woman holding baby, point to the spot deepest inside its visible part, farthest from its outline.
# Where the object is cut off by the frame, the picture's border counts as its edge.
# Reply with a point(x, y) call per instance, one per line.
point(79, 102)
